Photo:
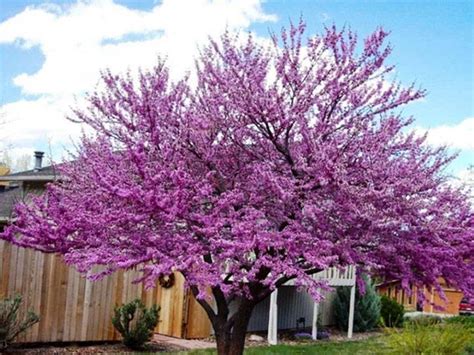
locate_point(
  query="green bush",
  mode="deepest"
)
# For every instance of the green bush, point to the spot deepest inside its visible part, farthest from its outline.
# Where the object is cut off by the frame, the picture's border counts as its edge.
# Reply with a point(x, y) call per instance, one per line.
point(10, 323)
point(423, 338)
point(391, 312)
point(424, 319)
point(366, 310)
point(135, 323)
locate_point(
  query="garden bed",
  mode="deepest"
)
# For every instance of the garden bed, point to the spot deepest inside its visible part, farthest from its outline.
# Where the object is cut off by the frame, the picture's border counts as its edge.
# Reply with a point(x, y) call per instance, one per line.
point(335, 335)
point(85, 348)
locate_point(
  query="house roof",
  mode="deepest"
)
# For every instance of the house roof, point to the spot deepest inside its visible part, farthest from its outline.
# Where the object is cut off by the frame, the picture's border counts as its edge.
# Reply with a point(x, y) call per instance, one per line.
point(386, 283)
point(8, 199)
point(14, 191)
point(44, 174)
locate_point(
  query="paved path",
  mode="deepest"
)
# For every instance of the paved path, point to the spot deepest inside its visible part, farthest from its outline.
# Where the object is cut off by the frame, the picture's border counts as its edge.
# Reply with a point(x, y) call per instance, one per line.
point(185, 344)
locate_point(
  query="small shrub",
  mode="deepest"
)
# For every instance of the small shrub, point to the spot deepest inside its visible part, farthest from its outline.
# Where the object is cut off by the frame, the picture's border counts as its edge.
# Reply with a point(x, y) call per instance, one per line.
point(10, 323)
point(303, 336)
point(366, 310)
point(135, 323)
point(323, 334)
point(419, 338)
point(391, 312)
point(424, 319)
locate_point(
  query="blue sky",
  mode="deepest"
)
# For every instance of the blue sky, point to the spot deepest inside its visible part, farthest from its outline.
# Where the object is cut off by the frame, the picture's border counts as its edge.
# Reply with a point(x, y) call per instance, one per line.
point(432, 40)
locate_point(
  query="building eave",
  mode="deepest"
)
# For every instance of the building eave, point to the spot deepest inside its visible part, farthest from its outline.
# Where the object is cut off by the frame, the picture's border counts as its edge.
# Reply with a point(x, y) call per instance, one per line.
point(29, 178)
point(385, 283)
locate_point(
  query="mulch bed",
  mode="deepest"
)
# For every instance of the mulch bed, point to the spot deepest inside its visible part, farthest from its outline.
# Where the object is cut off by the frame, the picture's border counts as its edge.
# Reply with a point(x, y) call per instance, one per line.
point(84, 348)
point(335, 335)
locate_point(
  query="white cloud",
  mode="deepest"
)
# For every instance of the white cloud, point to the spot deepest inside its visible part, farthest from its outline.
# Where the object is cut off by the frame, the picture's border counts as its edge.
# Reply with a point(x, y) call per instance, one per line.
point(325, 16)
point(79, 40)
point(457, 136)
point(74, 39)
point(466, 176)
point(30, 120)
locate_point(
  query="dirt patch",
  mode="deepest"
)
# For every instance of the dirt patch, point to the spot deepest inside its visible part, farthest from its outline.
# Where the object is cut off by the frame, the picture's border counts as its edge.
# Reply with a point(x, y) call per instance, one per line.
point(86, 348)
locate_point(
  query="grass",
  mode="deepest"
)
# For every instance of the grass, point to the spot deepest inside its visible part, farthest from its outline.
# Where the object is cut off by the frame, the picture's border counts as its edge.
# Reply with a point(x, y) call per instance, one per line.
point(368, 346)
point(329, 348)
point(423, 335)
point(408, 340)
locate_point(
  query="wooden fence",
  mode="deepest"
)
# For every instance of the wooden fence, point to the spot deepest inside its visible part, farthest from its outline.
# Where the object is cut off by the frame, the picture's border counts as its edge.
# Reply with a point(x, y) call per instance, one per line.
point(72, 308)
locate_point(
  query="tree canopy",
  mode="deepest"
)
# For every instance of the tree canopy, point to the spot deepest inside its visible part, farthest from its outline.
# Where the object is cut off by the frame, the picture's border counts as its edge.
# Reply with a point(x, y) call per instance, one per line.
point(278, 161)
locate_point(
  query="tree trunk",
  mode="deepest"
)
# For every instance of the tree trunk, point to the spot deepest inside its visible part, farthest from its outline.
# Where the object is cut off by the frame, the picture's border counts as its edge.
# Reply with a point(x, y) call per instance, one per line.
point(230, 333)
point(230, 329)
point(223, 341)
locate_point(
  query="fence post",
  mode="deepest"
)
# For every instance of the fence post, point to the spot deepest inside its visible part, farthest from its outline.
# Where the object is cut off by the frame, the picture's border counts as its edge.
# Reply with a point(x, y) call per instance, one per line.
point(273, 319)
point(314, 333)
point(351, 313)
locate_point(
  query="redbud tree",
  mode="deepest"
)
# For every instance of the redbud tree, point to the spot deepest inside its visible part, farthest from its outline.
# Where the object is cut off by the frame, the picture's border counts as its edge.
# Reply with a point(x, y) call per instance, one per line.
point(278, 160)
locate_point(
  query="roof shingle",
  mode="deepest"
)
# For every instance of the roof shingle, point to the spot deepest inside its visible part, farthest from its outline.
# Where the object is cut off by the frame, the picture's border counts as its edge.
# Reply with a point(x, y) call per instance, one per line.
point(48, 173)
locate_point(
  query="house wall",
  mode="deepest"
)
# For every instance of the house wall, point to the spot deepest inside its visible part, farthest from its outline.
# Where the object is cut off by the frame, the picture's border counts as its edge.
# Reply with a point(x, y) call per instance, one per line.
point(4, 170)
point(72, 308)
point(292, 305)
point(394, 291)
point(450, 306)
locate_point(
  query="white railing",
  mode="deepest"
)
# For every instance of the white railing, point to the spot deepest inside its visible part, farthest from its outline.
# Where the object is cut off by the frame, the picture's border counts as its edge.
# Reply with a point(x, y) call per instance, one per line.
point(338, 277)
point(334, 276)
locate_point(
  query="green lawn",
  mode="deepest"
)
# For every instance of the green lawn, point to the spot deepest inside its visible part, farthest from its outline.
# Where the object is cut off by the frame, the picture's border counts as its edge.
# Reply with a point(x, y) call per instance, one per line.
point(424, 335)
point(326, 348)
point(374, 345)
point(370, 346)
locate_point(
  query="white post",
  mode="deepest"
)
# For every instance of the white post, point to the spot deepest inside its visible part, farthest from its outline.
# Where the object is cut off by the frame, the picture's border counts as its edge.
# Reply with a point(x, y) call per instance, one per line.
point(351, 313)
point(314, 333)
point(273, 319)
